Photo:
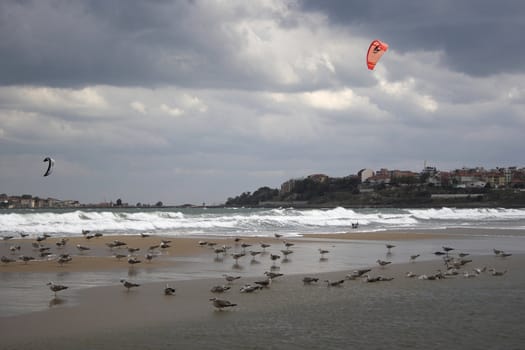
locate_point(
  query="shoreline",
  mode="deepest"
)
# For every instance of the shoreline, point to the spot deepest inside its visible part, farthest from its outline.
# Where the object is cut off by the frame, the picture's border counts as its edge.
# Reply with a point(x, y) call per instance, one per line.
point(101, 258)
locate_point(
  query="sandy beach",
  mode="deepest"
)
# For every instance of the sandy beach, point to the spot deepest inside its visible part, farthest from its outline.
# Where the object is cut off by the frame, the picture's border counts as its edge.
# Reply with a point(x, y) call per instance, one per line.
point(287, 314)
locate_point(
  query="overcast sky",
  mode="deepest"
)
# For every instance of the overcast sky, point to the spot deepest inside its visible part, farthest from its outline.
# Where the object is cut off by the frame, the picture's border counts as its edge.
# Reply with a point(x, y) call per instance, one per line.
point(197, 101)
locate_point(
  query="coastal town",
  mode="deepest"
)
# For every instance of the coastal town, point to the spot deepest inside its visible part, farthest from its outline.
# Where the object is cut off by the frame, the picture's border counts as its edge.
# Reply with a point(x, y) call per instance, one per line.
point(455, 184)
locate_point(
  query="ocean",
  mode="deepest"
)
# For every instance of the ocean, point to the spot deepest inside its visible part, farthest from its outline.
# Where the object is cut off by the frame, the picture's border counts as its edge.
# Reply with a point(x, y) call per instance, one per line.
point(253, 222)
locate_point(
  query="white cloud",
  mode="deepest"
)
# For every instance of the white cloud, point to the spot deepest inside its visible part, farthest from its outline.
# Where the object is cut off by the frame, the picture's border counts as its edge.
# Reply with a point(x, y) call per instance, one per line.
point(138, 107)
point(82, 100)
point(174, 111)
point(334, 100)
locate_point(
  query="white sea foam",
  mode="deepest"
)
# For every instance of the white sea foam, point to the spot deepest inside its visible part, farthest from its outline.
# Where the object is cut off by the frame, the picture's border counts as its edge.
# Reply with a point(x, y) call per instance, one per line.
point(260, 222)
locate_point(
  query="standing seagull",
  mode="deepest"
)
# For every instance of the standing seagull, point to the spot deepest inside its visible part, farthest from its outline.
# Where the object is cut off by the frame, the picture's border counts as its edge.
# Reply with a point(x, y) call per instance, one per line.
point(254, 254)
point(221, 304)
point(56, 287)
point(82, 248)
point(7, 260)
point(310, 280)
point(230, 278)
point(274, 257)
point(338, 283)
point(447, 249)
point(264, 246)
point(323, 252)
point(132, 261)
point(390, 246)
point(414, 257)
point(383, 263)
point(128, 284)
point(169, 290)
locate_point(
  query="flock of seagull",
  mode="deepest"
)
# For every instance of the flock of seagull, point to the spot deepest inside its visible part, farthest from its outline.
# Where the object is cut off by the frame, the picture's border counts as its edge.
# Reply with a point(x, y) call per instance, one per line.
point(453, 264)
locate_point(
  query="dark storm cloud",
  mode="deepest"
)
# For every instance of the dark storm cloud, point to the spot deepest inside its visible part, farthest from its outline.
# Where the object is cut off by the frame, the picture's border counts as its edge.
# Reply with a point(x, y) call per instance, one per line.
point(127, 43)
point(63, 43)
point(478, 37)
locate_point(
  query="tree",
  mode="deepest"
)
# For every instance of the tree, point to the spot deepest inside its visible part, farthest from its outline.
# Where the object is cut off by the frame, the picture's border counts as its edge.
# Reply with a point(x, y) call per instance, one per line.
point(159, 204)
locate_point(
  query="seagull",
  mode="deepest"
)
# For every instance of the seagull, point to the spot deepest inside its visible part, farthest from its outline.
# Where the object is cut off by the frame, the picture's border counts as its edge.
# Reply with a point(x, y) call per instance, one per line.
point(309, 280)
point(248, 288)
point(23, 235)
point(56, 287)
point(144, 235)
point(237, 256)
point(264, 283)
point(504, 255)
point(390, 246)
point(288, 244)
point(494, 272)
point(64, 258)
point(323, 252)
point(479, 270)
point(149, 257)
point(497, 251)
point(335, 283)
point(273, 275)
point(219, 251)
point(447, 249)
point(244, 246)
point(230, 278)
point(265, 245)
point(6, 260)
point(414, 257)
point(118, 243)
point(15, 247)
point(61, 243)
point(278, 235)
point(132, 261)
point(221, 304)
point(254, 254)
point(82, 247)
point(169, 290)
point(120, 256)
point(469, 275)
point(26, 258)
point(132, 250)
point(164, 244)
point(410, 274)
point(128, 284)
point(383, 262)
point(357, 273)
point(274, 257)
point(219, 289)
point(286, 252)
point(462, 255)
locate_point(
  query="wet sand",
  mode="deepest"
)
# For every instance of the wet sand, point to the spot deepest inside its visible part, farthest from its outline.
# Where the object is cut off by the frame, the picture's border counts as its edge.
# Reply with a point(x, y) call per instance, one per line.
point(100, 257)
point(112, 315)
point(285, 315)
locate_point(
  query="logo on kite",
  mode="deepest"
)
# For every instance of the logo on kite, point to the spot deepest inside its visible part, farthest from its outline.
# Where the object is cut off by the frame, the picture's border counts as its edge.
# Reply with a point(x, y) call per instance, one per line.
point(51, 163)
point(375, 51)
